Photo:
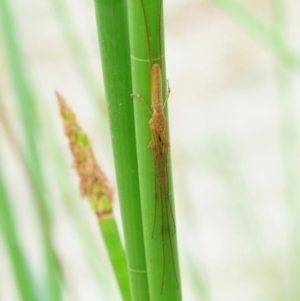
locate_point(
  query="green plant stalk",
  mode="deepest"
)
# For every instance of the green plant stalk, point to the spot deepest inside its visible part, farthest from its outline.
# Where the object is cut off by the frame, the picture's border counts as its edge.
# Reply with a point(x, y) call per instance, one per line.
point(289, 151)
point(26, 109)
point(155, 256)
point(114, 47)
point(116, 254)
point(23, 275)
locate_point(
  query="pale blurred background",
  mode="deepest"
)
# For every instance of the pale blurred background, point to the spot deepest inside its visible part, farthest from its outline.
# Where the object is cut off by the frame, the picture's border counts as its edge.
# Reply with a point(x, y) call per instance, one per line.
point(233, 68)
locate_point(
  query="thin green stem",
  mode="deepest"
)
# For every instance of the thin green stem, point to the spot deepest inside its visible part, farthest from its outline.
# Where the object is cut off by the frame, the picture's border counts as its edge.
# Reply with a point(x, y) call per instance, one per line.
point(116, 254)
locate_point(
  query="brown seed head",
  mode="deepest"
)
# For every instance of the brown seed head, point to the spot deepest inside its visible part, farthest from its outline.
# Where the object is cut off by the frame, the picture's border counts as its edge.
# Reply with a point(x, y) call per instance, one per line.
point(93, 182)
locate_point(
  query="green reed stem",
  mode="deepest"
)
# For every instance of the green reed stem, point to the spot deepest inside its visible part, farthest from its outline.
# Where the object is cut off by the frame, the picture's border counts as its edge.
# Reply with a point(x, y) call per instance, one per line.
point(114, 47)
point(162, 283)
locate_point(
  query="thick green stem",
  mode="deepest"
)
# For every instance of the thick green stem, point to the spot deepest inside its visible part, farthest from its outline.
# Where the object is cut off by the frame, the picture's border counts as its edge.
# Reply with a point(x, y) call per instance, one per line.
point(114, 45)
point(161, 247)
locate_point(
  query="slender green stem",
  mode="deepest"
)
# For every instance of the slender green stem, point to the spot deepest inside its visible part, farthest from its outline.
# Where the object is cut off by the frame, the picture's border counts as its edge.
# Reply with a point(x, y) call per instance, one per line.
point(116, 254)
point(114, 46)
point(161, 247)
